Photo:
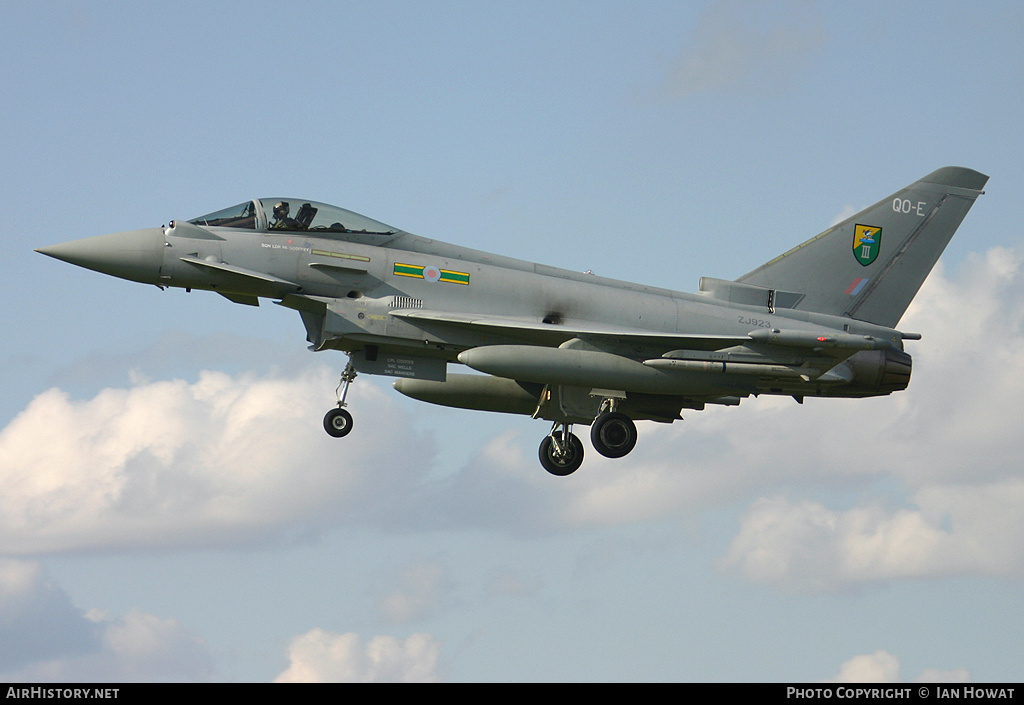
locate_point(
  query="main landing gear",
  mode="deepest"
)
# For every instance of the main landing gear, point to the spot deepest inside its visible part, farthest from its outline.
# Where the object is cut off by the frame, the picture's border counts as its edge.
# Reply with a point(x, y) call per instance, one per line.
point(338, 422)
point(561, 453)
point(613, 435)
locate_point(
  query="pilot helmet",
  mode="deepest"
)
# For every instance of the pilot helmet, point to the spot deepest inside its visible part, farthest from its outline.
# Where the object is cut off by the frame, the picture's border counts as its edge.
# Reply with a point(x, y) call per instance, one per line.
point(281, 209)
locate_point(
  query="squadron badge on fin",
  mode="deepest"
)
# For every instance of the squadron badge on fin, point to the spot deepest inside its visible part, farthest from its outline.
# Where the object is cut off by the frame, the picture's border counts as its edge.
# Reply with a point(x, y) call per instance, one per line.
point(867, 241)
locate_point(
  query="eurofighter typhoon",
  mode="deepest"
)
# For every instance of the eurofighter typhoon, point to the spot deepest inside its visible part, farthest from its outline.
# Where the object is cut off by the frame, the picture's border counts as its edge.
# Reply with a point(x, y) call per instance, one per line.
point(568, 347)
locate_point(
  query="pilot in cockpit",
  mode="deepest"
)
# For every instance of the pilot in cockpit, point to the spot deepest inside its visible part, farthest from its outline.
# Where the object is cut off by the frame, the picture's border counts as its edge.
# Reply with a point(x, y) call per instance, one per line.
point(281, 219)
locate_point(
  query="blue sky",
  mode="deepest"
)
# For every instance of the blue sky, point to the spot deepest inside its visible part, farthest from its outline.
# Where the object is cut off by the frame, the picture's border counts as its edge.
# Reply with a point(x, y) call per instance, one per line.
point(170, 508)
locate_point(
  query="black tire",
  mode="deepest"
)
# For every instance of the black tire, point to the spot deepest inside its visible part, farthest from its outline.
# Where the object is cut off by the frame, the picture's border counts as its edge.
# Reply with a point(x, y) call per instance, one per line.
point(613, 434)
point(565, 464)
point(338, 422)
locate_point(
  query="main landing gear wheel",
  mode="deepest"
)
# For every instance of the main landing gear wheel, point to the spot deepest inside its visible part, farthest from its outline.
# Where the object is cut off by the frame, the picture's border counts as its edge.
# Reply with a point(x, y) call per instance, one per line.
point(338, 422)
point(613, 434)
point(561, 457)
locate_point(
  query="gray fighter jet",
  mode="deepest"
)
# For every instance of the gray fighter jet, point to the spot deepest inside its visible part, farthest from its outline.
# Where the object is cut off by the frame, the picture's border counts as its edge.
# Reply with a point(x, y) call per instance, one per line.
point(568, 347)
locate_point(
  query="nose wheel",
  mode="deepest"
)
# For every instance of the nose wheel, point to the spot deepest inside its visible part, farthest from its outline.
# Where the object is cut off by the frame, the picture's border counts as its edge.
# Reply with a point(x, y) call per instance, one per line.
point(338, 422)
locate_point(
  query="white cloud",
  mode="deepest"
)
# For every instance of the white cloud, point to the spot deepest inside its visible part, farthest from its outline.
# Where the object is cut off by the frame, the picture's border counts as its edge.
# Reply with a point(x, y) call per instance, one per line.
point(879, 667)
point(883, 667)
point(954, 439)
point(956, 530)
point(320, 656)
point(226, 459)
point(43, 637)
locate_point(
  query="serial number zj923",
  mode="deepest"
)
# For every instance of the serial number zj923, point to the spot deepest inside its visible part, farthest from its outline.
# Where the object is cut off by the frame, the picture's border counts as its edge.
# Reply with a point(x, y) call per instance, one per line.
point(756, 322)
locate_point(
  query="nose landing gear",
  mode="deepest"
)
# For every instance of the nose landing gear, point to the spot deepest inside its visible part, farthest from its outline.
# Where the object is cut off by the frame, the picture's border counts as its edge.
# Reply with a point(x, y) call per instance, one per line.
point(338, 422)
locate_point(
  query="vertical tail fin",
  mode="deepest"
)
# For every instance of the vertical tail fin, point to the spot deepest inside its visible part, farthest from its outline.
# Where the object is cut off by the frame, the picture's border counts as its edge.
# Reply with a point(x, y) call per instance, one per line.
point(870, 266)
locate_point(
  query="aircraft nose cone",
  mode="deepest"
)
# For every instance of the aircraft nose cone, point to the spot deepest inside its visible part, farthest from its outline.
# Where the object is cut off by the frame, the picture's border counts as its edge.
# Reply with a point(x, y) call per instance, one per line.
point(136, 255)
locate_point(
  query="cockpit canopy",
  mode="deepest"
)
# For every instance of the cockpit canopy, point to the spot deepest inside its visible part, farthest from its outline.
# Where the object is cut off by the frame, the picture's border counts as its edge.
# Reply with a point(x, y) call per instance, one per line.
point(292, 215)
